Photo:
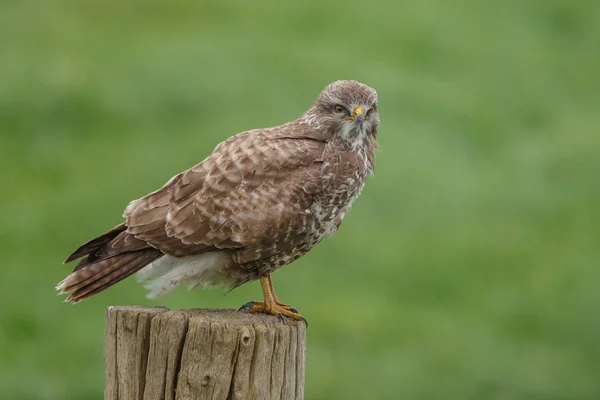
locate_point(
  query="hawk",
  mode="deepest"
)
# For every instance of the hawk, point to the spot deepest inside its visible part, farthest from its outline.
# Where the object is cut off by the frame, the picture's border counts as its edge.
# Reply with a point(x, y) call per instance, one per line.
point(261, 200)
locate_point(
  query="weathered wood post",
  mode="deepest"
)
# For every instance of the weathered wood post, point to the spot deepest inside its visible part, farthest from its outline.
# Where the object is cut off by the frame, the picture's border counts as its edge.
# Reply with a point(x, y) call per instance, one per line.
point(155, 353)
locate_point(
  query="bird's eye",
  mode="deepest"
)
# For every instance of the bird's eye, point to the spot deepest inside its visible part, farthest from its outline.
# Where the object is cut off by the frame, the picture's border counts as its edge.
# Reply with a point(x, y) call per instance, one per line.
point(338, 109)
point(370, 110)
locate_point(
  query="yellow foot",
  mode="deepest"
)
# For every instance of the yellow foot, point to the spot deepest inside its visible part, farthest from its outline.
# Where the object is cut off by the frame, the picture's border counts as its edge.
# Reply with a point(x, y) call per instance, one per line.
point(278, 309)
point(286, 306)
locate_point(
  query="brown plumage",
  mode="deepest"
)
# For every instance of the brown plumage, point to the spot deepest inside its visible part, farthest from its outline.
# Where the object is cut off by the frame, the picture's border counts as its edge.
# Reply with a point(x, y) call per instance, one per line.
point(262, 199)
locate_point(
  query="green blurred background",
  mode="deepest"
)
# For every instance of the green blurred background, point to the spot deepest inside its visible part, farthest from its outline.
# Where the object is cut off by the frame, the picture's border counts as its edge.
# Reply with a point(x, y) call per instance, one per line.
point(467, 270)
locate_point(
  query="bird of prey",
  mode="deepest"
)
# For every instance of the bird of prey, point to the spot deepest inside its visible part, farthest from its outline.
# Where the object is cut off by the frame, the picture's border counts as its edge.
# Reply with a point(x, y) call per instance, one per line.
point(261, 200)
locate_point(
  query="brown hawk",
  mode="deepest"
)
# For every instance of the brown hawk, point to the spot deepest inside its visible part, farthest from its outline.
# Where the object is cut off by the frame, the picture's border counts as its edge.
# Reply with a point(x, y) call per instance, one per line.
point(261, 200)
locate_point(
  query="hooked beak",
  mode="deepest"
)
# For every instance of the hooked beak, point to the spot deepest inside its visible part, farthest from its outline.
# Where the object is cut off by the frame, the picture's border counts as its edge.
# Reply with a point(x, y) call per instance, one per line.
point(358, 115)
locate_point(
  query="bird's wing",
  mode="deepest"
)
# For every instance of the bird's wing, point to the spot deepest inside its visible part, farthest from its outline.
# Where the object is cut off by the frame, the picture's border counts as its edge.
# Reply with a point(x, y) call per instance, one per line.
point(252, 191)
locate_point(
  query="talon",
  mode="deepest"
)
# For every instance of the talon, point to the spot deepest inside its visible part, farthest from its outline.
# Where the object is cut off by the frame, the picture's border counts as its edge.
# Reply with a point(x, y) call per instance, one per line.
point(247, 306)
point(286, 306)
point(280, 312)
point(271, 305)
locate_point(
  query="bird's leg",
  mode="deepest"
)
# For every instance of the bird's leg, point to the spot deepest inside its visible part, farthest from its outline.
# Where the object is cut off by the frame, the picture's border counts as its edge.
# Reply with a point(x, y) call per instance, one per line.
point(268, 277)
point(271, 305)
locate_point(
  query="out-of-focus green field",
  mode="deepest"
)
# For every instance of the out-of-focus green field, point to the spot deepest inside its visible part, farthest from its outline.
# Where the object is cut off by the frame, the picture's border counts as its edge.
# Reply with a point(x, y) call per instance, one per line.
point(469, 268)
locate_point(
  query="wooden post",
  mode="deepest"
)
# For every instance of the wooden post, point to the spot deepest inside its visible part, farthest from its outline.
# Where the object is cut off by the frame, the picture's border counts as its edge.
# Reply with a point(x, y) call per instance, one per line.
point(154, 353)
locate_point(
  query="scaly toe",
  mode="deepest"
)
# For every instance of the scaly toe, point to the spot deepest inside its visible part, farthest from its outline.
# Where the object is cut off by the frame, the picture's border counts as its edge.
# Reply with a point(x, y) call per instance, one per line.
point(277, 310)
point(287, 307)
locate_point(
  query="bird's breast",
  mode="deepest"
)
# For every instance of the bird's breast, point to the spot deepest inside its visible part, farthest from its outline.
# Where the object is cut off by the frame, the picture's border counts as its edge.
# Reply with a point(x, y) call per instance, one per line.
point(343, 180)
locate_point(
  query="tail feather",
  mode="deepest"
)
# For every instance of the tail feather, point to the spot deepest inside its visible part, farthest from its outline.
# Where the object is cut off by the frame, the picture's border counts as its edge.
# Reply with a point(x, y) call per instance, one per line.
point(96, 244)
point(98, 276)
point(113, 277)
point(106, 260)
point(92, 272)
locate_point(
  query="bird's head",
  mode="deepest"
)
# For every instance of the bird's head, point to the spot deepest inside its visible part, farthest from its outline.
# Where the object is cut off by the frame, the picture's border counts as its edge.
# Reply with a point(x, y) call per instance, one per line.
point(347, 109)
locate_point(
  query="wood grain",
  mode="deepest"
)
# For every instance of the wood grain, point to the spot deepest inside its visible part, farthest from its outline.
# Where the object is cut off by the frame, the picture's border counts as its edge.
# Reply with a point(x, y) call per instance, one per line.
point(154, 353)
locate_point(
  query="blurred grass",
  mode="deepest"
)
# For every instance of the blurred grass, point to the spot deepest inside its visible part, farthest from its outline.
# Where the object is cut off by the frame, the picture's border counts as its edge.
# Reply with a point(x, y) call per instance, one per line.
point(467, 270)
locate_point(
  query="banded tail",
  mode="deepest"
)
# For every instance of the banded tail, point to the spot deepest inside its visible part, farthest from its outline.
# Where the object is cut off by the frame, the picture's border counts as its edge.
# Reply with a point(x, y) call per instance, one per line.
point(106, 260)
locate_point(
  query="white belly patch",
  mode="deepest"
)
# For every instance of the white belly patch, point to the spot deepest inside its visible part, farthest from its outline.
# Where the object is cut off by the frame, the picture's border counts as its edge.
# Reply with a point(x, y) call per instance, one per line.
point(168, 272)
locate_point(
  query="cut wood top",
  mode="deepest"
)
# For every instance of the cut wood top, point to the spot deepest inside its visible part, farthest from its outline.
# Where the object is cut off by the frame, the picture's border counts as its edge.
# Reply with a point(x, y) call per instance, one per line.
point(155, 353)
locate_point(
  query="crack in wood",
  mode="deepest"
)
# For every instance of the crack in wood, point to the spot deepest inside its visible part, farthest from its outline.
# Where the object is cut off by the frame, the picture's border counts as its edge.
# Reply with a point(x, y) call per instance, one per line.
point(154, 353)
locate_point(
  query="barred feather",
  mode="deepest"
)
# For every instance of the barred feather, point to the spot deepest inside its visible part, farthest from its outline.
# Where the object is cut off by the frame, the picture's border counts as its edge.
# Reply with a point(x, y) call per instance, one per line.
point(262, 199)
